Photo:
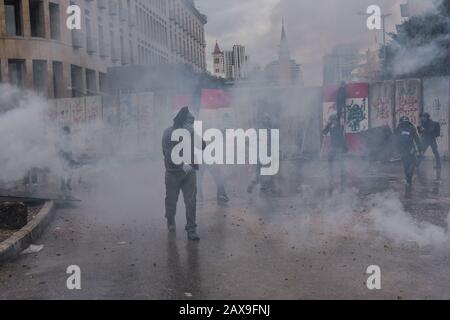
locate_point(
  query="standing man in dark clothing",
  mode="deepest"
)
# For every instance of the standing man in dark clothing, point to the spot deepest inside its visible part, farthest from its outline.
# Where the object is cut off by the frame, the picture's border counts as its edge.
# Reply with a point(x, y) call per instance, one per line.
point(408, 143)
point(338, 147)
point(341, 102)
point(182, 177)
point(429, 130)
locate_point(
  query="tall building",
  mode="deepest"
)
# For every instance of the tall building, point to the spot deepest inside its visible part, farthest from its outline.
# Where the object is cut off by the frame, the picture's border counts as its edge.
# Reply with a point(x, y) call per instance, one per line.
point(187, 34)
point(284, 58)
point(285, 71)
point(38, 51)
point(218, 62)
point(339, 65)
point(232, 64)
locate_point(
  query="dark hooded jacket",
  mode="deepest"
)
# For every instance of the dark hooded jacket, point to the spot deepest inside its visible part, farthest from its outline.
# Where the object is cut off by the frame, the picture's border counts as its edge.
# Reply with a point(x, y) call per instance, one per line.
point(184, 119)
point(430, 130)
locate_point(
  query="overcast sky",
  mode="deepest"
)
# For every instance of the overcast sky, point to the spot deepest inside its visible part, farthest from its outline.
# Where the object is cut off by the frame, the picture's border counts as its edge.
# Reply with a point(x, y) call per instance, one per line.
point(313, 27)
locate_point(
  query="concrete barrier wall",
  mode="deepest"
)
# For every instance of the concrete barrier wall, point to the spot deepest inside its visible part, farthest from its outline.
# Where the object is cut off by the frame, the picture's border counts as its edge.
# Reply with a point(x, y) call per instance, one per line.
point(141, 118)
point(381, 104)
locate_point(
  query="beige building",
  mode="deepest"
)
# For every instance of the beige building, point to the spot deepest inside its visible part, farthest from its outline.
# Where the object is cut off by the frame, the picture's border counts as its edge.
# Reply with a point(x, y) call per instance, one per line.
point(187, 34)
point(38, 51)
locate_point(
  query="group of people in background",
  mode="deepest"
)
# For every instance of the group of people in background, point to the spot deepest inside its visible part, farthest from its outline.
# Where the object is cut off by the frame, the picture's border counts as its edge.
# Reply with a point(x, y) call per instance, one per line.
point(409, 141)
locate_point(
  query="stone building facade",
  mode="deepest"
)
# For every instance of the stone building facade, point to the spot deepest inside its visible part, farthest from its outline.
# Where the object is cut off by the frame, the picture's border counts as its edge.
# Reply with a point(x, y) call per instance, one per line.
point(39, 52)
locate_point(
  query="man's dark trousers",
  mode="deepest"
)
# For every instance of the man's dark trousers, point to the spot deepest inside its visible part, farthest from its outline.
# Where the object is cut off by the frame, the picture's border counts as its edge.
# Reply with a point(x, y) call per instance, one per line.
point(187, 183)
point(427, 143)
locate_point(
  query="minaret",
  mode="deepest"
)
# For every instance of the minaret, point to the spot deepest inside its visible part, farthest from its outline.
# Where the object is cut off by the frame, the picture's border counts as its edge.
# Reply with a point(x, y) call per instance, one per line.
point(284, 57)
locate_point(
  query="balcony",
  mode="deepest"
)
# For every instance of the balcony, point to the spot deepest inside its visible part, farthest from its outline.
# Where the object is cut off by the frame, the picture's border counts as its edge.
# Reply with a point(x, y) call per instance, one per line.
point(123, 14)
point(104, 49)
point(113, 7)
point(115, 53)
point(92, 44)
point(132, 20)
point(125, 59)
point(78, 39)
point(102, 4)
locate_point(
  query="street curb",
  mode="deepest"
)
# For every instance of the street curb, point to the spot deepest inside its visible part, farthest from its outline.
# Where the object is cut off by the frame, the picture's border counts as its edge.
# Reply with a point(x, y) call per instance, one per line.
point(22, 239)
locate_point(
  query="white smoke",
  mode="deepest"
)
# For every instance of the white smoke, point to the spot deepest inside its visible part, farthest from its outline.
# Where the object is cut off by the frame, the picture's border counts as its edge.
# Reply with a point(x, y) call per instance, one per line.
point(27, 137)
point(391, 219)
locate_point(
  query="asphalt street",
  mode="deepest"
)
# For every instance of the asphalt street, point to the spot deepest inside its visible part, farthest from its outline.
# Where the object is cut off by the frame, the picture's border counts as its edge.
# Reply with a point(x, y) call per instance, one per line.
point(300, 244)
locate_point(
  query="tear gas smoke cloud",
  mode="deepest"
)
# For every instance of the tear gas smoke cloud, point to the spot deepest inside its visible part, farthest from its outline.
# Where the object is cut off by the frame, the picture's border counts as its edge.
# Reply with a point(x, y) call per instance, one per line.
point(381, 216)
point(28, 139)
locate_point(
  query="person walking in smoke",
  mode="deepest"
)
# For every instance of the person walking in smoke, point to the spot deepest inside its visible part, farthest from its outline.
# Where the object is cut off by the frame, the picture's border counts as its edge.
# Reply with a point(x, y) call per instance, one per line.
point(408, 144)
point(216, 173)
point(65, 152)
point(338, 147)
point(266, 183)
point(182, 177)
point(429, 130)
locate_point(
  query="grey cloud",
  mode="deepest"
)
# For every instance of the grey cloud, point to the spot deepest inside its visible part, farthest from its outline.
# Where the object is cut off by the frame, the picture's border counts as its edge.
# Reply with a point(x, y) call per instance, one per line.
point(313, 27)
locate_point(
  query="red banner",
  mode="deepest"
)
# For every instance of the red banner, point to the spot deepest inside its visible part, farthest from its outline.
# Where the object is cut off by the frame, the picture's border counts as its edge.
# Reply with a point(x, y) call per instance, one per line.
point(215, 99)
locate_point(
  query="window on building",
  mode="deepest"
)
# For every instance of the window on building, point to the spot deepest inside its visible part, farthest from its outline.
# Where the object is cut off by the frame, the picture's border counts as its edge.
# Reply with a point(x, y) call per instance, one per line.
point(102, 82)
point(13, 17)
point(76, 76)
point(40, 76)
point(16, 72)
point(54, 21)
point(58, 80)
point(37, 18)
point(91, 82)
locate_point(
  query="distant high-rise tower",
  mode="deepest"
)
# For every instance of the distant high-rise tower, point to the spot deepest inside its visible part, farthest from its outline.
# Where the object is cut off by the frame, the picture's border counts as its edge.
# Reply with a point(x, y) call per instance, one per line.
point(284, 57)
point(230, 64)
point(285, 71)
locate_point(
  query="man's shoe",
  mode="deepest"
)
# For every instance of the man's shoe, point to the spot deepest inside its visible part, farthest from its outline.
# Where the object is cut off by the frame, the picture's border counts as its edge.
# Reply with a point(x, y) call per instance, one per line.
point(171, 226)
point(193, 236)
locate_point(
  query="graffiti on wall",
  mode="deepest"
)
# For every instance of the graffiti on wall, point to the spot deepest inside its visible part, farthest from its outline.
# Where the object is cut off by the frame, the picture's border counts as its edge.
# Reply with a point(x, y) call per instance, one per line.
point(356, 115)
point(93, 109)
point(408, 98)
point(382, 98)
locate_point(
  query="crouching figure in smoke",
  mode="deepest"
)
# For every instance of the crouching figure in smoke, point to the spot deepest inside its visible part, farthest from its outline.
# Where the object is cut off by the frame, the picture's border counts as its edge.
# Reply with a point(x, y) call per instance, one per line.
point(338, 147)
point(180, 177)
point(408, 144)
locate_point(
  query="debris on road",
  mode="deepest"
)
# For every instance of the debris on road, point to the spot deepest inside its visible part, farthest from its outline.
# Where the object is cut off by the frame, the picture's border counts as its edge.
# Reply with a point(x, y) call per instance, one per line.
point(33, 249)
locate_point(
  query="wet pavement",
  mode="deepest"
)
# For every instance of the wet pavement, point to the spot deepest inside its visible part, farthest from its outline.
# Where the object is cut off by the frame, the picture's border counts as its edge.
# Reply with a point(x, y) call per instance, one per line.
point(301, 244)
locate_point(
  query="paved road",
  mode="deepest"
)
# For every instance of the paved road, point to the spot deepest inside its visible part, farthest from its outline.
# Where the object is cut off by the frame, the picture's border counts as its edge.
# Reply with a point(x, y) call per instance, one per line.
point(304, 245)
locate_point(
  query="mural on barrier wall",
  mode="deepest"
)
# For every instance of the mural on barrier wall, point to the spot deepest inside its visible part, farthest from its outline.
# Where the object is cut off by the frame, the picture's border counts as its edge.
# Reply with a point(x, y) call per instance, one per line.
point(356, 112)
point(408, 100)
point(436, 102)
point(382, 102)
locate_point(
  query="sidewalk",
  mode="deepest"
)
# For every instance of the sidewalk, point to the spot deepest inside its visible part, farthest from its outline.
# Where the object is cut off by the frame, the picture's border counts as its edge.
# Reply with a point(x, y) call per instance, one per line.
point(12, 243)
